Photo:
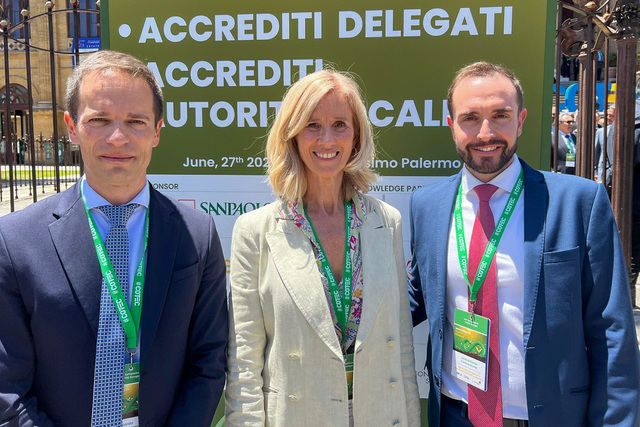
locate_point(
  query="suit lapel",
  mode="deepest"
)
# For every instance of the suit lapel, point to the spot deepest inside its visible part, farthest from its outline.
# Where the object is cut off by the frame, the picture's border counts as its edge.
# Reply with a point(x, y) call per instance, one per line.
point(377, 245)
point(164, 234)
point(293, 257)
point(536, 200)
point(72, 240)
point(443, 213)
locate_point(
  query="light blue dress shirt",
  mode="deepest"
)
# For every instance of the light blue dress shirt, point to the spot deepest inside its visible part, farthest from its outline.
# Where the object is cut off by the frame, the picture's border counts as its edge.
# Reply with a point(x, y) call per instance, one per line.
point(135, 226)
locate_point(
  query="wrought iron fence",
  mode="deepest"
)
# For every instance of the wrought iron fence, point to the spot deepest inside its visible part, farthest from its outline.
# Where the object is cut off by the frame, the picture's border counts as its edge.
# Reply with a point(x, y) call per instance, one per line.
point(34, 171)
point(600, 37)
point(27, 162)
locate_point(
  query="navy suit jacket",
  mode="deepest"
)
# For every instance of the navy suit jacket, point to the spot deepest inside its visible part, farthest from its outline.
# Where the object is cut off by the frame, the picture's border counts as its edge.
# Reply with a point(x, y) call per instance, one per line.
point(49, 306)
point(581, 353)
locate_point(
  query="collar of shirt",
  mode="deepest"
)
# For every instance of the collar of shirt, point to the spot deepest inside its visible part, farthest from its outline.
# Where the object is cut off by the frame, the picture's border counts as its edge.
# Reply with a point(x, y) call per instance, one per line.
point(505, 180)
point(95, 200)
point(566, 136)
point(135, 225)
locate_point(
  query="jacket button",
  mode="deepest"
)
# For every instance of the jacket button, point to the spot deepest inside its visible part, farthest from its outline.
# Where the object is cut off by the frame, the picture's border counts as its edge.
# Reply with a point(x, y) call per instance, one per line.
point(294, 356)
point(293, 398)
point(440, 333)
point(393, 384)
point(396, 422)
point(391, 342)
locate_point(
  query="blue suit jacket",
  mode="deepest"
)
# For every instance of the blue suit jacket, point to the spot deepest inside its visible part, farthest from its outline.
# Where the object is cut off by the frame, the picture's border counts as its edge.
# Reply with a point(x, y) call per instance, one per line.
point(49, 305)
point(581, 353)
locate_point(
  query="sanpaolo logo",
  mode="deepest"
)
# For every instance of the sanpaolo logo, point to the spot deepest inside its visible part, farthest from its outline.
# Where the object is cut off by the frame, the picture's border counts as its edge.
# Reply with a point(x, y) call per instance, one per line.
point(229, 208)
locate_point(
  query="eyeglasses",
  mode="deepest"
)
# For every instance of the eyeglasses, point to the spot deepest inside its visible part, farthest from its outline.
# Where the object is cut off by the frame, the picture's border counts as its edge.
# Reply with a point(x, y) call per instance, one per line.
point(568, 121)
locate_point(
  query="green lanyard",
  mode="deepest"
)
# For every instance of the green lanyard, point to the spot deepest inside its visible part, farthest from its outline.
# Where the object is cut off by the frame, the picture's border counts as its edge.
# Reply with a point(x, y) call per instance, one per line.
point(492, 244)
point(341, 304)
point(129, 318)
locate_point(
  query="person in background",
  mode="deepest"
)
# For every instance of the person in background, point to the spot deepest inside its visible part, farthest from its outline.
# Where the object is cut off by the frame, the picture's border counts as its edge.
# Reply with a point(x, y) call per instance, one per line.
point(536, 327)
point(597, 119)
point(77, 348)
point(320, 330)
point(566, 144)
point(604, 167)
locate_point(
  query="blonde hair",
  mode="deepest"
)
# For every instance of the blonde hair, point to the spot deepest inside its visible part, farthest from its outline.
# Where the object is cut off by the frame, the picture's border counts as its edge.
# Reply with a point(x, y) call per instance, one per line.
point(286, 171)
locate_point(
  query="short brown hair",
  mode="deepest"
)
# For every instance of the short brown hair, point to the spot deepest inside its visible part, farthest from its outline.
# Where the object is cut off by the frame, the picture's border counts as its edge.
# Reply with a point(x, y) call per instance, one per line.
point(286, 171)
point(102, 61)
point(484, 69)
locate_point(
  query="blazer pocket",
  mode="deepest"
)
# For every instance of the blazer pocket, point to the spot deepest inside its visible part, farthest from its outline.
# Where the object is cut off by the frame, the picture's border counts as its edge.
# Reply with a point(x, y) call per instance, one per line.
point(561, 274)
point(564, 255)
point(184, 273)
point(269, 389)
point(581, 389)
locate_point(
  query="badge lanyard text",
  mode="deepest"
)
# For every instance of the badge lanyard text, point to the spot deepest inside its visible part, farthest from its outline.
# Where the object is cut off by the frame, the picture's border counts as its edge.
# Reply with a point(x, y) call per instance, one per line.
point(129, 317)
point(341, 303)
point(492, 244)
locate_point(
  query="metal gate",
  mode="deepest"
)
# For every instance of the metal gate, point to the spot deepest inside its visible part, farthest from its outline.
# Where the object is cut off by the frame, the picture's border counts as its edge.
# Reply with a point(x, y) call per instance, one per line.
point(596, 49)
point(32, 163)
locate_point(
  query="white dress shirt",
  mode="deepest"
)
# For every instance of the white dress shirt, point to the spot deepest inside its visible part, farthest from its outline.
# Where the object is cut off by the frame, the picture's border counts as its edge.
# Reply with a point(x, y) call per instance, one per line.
point(510, 282)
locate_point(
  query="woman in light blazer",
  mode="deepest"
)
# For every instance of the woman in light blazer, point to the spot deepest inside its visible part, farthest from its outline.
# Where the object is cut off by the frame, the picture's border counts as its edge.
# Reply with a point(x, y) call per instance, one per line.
point(320, 330)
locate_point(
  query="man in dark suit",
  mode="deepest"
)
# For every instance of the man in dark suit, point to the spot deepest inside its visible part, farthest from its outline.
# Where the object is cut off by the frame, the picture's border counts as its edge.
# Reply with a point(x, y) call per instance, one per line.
point(549, 337)
point(68, 357)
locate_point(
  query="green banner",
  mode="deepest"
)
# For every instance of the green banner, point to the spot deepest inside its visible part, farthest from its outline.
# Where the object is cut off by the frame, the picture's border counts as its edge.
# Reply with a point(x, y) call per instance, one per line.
point(224, 67)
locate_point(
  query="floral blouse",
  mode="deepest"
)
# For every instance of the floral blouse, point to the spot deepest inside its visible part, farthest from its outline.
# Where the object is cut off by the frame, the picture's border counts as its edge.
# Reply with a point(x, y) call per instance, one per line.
point(357, 218)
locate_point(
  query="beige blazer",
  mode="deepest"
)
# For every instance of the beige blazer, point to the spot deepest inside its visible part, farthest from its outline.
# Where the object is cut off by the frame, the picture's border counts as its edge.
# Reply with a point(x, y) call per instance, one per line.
point(285, 366)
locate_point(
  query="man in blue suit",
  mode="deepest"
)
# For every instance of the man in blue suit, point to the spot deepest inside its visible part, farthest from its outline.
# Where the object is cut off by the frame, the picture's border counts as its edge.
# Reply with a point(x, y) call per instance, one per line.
point(549, 337)
point(68, 357)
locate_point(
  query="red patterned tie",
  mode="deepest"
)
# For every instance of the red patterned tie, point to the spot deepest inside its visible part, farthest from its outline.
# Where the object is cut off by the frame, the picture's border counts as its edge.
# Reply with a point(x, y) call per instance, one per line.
point(485, 407)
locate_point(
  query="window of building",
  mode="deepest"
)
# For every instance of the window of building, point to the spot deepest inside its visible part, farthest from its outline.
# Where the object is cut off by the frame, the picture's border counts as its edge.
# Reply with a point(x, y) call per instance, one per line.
point(12, 10)
point(88, 23)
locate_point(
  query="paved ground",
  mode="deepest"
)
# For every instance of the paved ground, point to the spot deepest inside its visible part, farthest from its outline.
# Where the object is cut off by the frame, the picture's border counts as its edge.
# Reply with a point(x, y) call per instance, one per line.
point(25, 200)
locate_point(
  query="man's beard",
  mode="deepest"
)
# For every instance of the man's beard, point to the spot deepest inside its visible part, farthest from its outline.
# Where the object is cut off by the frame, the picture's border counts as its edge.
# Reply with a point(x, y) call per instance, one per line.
point(486, 165)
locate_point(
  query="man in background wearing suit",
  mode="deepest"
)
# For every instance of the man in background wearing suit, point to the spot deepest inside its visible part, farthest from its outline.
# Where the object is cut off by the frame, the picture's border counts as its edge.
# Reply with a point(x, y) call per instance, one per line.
point(599, 155)
point(566, 144)
point(531, 321)
point(112, 296)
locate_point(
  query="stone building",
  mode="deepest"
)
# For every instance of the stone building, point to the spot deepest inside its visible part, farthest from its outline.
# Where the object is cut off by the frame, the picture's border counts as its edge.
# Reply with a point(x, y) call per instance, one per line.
point(63, 30)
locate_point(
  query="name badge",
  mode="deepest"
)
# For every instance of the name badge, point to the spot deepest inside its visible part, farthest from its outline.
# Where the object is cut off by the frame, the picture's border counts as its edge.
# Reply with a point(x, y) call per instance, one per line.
point(570, 160)
point(471, 348)
point(348, 367)
point(130, 402)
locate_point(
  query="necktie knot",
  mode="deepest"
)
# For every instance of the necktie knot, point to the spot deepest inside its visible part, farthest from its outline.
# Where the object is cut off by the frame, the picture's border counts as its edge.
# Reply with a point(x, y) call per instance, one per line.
point(485, 191)
point(118, 215)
